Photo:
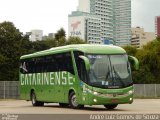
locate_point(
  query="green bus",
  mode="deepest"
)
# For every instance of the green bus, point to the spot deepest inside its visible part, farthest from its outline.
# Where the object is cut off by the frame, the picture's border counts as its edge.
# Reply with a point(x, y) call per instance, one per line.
point(78, 75)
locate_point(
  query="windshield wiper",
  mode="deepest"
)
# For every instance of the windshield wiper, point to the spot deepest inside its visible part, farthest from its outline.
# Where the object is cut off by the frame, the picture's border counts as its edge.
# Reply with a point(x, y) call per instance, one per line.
point(118, 77)
point(106, 76)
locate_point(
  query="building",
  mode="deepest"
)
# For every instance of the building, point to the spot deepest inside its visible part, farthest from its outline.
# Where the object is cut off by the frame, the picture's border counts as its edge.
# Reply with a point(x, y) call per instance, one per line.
point(36, 35)
point(98, 18)
point(141, 38)
point(122, 22)
point(85, 26)
point(157, 26)
point(51, 35)
point(102, 9)
point(113, 16)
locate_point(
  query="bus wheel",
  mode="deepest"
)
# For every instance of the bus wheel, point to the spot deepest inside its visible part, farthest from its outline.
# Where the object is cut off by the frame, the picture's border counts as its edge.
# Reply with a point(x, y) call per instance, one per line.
point(73, 101)
point(34, 100)
point(111, 107)
point(63, 104)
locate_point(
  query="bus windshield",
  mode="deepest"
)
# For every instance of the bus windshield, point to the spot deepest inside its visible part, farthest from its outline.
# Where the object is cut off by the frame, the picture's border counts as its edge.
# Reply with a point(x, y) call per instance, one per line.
point(109, 71)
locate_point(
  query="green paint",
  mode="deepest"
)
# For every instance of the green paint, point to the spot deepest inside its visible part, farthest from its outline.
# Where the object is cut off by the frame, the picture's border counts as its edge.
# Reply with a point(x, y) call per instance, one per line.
point(55, 86)
point(86, 61)
point(135, 62)
point(51, 78)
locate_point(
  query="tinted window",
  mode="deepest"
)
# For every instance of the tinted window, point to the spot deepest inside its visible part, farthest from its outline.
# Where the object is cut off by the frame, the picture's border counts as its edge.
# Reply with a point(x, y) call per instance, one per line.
point(50, 63)
point(80, 66)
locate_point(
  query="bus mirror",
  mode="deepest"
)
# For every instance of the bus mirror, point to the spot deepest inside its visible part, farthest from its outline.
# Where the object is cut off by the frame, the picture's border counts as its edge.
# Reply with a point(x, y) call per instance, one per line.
point(86, 61)
point(134, 62)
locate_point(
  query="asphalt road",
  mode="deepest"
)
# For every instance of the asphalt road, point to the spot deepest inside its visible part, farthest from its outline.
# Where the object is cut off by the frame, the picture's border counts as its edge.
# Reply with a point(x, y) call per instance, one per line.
point(139, 106)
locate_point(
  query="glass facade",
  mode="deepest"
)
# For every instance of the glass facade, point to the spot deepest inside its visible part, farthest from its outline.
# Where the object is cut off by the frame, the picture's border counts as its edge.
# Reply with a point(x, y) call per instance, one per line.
point(103, 9)
point(92, 26)
point(114, 21)
point(122, 22)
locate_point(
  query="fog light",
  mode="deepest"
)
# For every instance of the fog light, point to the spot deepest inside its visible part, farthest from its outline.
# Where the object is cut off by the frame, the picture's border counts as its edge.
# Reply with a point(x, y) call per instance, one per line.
point(84, 98)
point(131, 92)
point(130, 99)
point(95, 100)
point(95, 93)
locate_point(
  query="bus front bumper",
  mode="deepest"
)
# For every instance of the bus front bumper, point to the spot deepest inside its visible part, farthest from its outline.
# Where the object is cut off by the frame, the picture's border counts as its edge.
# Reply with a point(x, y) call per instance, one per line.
point(104, 99)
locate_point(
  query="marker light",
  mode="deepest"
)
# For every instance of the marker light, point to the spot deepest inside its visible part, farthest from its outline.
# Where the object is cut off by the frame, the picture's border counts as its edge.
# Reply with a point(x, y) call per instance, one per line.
point(95, 100)
point(95, 93)
point(130, 92)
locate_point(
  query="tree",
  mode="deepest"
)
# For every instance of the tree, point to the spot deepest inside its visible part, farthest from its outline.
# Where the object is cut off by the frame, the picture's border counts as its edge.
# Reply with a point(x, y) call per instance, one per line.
point(13, 45)
point(60, 33)
point(60, 37)
point(149, 59)
point(75, 40)
point(158, 38)
point(130, 50)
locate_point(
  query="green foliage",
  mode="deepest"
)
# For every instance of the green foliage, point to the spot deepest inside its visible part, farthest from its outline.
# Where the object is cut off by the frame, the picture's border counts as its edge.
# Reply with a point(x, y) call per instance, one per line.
point(12, 47)
point(75, 40)
point(14, 44)
point(42, 45)
point(60, 37)
point(60, 33)
point(61, 41)
point(149, 58)
point(130, 50)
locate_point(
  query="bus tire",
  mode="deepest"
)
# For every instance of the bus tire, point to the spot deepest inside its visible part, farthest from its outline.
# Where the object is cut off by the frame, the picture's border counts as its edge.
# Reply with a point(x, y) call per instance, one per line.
point(111, 106)
point(34, 100)
point(73, 101)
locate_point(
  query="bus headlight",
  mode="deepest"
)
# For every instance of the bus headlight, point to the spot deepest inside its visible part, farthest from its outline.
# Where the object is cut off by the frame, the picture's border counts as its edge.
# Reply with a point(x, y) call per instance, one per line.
point(130, 99)
point(95, 100)
point(95, 93)
point(92, 92)
point(130, 92)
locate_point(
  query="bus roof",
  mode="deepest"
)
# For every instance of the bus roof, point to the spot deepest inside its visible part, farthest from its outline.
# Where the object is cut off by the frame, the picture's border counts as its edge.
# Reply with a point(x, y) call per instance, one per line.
point(86, 48)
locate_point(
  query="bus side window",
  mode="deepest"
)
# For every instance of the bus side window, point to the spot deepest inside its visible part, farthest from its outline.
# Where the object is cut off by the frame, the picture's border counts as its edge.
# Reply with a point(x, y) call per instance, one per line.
point(24, 66)
point(21, 67)
point(69, 63)
point(51, 63)
point(80, 66)
point(64, 62)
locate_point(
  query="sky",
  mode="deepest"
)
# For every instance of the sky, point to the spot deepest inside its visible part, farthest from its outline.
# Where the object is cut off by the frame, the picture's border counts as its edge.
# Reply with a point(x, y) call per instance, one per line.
point(51, 15)
point(144, 12)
